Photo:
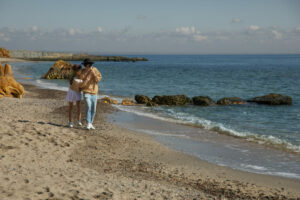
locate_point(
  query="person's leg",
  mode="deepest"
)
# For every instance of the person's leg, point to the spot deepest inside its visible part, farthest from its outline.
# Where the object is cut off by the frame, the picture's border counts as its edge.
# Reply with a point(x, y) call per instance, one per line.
point(93, 107)
point(87, 99)
point(70, 111)
point(78, 111)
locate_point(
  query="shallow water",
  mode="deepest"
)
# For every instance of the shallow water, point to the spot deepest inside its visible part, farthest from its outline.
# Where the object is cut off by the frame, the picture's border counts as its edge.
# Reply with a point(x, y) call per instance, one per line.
point(215, 148)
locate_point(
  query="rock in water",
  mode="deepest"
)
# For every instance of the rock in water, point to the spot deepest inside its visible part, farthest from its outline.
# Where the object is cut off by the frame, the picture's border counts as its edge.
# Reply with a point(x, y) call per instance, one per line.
point(230, 101)
point(60, 70)
point(203, 101)
point(109, 100)
point(9, 87)
point(127, 102)
point(151, 104)
point(141, 99)
point(273, 99)
point(173, 100)
point(4, 53)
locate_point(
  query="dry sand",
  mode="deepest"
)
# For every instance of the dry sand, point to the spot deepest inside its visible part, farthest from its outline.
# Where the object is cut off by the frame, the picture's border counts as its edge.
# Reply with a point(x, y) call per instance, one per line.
point(41, 158)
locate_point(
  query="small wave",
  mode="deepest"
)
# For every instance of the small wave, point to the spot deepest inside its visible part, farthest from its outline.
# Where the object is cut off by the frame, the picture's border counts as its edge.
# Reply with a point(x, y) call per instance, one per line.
point(188, 119)
point(285, 174)
point(51, 85)
point(256, 167)
point(150, 132)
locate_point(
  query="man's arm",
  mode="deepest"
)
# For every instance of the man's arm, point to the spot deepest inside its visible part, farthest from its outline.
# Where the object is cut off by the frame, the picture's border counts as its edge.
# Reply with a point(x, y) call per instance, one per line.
point(85, 81)
point(97, 75)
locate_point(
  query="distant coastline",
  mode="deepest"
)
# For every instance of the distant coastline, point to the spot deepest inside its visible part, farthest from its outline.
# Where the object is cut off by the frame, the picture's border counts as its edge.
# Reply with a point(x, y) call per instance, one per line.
point(54, 56)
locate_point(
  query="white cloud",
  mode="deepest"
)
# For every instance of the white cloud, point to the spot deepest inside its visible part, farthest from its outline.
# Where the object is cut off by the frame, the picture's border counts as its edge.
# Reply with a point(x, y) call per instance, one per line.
point(265, 40)
point(3, 37)
point(236, 20)
point(34, 28)
point(99, 29)
point(276, 34)
point(199, 37)
point(253, 28)
point(72, 31)
point(186, 30)
point(191, 32)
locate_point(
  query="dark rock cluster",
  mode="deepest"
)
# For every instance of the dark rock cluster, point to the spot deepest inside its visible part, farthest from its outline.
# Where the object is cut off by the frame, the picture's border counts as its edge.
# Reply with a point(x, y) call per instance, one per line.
point(180, 100)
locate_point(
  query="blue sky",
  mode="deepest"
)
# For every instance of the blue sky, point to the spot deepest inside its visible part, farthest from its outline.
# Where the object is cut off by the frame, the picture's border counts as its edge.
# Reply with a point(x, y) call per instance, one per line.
point(137, 26)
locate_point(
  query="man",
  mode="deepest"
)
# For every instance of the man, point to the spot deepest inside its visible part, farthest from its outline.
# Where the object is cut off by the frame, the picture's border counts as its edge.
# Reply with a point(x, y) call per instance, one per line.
point(90, 77)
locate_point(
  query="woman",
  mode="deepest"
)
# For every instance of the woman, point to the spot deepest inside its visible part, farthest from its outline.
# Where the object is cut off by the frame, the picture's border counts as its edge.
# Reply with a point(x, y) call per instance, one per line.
point(74, 94)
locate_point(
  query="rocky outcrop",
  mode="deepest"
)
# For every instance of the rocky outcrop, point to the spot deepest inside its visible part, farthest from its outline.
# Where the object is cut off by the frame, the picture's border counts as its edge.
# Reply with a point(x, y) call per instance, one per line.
point(142, 99)
point(127, 102)
point(4, 53)
point(60, 70)
point(108, 100)
point(54, 56)
point(230, 101)
point(272, 99)
point(203, 101)
point(9, 87)
point(172, 100)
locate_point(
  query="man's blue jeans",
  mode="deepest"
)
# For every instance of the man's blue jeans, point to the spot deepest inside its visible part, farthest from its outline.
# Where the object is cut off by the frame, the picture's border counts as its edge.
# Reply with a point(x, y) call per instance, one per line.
point(90, 106)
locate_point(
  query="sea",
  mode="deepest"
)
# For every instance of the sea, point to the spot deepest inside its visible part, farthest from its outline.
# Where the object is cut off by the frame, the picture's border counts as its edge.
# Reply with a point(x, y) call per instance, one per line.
point(256, 138)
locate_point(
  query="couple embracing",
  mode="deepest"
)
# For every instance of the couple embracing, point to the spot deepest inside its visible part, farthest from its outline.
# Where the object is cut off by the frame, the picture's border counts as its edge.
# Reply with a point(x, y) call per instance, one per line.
point(84, 82)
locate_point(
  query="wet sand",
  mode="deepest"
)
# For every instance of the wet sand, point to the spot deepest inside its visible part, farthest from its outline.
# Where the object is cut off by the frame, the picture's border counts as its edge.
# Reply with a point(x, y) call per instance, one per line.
point(41, 158)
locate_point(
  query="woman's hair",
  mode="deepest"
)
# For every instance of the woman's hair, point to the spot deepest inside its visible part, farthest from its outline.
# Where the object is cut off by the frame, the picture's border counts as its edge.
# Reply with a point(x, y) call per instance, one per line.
point(75, 69)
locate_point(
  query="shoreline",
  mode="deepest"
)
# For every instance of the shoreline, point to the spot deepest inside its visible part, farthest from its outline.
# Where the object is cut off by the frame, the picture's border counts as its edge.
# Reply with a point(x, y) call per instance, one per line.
point(121, 162)
point(8, 60)
point(283, 146)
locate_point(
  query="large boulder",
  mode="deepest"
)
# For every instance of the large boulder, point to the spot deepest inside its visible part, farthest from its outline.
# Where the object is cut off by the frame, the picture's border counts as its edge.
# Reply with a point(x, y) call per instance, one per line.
point(4, 53)
point(230, 101)
point(203, 101)
point(9, 87)
point(272, 99)
point(142, 99)
point(176, 100)
point(60, 70)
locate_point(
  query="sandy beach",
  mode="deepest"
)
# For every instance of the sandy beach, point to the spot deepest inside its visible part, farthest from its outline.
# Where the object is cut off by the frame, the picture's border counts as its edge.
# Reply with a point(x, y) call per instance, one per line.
point(41, 158)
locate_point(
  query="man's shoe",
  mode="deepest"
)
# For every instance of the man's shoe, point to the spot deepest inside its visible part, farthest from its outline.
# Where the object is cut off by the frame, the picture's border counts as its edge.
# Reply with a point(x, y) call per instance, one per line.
point(92, 127)
point(88, 126)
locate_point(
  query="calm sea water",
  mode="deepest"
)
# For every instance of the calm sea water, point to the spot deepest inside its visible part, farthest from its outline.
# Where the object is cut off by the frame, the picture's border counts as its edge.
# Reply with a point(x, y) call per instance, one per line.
point(217, 76)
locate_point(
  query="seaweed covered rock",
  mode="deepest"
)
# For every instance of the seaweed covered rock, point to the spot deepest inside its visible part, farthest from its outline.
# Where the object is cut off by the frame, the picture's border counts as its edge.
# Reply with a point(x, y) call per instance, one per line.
point(127, 102)
point(142, 99)
point(109, 100)
point(9, 87)
point(4, 53)
point(203, 101)
point(172, 100)
point(230, 101)
point(60, 70)
point(272, 99)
